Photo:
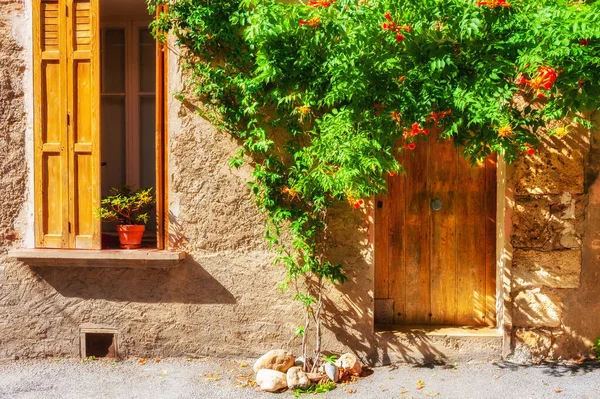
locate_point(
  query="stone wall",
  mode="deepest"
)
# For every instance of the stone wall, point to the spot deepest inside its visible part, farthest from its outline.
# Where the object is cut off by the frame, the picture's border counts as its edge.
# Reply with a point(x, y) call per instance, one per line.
point(13, 168)
point(551, 279)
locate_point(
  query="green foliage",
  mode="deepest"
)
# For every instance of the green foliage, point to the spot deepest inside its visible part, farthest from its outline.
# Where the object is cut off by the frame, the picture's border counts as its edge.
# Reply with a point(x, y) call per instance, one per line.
point(321, 387)
point(596, 349)
point(330, 359)
point(324, 96)
point(126, 206)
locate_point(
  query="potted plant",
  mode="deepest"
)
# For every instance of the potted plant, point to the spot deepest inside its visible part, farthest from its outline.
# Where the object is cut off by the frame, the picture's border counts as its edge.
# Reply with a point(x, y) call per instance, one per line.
point(130, 210)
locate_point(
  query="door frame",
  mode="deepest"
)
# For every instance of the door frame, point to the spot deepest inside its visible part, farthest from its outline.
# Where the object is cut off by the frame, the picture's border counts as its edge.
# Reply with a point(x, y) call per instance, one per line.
point(504, 251)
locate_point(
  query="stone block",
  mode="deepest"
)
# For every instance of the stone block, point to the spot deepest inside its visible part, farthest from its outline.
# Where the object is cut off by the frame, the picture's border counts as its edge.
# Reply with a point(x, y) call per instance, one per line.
point(530, 220)
point(537, 343)
point(554, 269)
point(538, 308)
point(556, 167)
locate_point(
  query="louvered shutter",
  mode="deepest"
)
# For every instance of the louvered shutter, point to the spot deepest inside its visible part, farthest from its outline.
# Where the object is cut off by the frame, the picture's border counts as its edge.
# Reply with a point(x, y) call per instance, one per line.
point(67, 123)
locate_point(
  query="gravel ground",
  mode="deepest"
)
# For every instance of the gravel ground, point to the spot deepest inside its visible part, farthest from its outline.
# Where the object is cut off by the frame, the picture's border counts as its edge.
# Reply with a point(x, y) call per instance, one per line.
point(225, 378)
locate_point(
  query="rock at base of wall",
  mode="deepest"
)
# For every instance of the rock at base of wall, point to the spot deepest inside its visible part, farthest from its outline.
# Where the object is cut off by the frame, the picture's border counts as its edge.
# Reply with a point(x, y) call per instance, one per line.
point(271, 380)
point(297, 378)
point(348, 363)
point(278, 360)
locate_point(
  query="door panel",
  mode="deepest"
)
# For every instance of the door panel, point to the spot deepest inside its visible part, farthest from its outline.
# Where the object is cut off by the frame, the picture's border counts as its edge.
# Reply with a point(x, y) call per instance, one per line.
point(436, 266)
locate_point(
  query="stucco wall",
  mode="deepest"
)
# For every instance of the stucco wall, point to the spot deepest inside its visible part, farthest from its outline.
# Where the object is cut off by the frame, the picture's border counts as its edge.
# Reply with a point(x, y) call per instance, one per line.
point(224, 301)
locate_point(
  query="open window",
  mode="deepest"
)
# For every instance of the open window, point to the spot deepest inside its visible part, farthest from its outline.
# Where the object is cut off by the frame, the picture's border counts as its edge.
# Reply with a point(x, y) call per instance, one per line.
point(99, 118)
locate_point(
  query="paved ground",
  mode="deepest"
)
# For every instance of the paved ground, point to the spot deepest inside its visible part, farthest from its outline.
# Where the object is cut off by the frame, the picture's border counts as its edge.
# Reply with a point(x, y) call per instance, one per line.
point(212, 378)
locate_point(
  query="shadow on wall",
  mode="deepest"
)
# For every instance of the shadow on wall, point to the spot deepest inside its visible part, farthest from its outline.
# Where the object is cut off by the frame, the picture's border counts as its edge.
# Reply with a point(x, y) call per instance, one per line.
point(189, 283)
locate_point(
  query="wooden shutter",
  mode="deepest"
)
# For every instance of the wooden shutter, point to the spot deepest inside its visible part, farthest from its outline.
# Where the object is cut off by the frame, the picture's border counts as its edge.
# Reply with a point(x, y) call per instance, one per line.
point(67, 124)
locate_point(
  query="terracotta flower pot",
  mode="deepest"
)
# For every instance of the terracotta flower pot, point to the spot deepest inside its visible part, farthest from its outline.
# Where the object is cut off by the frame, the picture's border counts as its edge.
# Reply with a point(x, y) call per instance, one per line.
point(130, 235)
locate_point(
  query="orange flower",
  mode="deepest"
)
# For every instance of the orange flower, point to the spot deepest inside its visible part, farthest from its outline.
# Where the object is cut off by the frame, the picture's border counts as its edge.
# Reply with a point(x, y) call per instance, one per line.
point(396, 116)
point(313, 23)
point(436, 116)
point(505, 131)
point(410, 146)
point(493, 3)
point(290, 191)
point(321, 3)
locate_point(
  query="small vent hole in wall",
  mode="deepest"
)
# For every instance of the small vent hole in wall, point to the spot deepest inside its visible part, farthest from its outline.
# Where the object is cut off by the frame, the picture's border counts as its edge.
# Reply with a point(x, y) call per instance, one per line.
point(100, 345)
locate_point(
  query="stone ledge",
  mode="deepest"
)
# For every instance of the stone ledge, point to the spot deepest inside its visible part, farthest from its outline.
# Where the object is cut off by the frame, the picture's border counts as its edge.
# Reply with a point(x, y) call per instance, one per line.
point(432, 330)
point(111, 258)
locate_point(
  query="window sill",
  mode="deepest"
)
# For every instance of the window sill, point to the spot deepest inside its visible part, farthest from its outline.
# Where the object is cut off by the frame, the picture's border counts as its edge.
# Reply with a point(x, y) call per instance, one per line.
point(112, 258)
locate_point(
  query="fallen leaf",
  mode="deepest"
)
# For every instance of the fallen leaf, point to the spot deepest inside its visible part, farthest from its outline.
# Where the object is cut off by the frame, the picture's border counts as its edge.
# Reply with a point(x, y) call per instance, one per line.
point(142, 361)
point(156, 360)
point(558, 390)
point(403, 391)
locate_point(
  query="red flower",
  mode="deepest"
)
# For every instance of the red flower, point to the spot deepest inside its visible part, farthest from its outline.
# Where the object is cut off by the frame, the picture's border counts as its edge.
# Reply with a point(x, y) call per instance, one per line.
point(493, 3)
point(415, 130)
point(410, 146)
point(392, 26)
point(545, 79)
point(392, 173)
point(529, 150)
point(436, 116)
point(584, 42)
point(401, 79)
point(378, 108)
point(358, 204)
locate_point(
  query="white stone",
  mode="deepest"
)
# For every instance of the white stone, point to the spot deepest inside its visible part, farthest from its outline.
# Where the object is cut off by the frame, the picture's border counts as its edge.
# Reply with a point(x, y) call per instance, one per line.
point(297, 378)
point(271, 380)
point(332, 371)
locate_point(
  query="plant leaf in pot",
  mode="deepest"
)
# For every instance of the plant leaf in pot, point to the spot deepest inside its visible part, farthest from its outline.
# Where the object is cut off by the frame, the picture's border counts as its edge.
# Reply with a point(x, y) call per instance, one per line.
point(130, 210)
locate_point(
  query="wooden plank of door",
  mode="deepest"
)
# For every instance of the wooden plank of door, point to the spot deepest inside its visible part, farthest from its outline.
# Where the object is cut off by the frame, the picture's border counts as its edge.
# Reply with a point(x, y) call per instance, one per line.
point(470, 228)
point(490, 239)
point(417, 292)
point(396, 234)
point(442, 178)
point(381, 245)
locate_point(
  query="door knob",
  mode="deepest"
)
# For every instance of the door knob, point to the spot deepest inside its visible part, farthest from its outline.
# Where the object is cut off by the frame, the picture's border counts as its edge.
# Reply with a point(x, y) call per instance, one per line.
point(436, 204)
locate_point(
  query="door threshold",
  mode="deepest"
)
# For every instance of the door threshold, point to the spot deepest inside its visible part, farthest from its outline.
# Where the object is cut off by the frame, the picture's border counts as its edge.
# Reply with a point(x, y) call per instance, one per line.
point(433, 330)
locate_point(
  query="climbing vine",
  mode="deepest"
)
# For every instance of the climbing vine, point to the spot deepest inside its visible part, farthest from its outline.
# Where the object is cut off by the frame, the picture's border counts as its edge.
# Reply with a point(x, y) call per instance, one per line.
point(323, 95)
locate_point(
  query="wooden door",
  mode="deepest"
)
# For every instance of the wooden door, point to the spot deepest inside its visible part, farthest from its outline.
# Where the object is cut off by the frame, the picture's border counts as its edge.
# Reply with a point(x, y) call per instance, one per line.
point(437, 267)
